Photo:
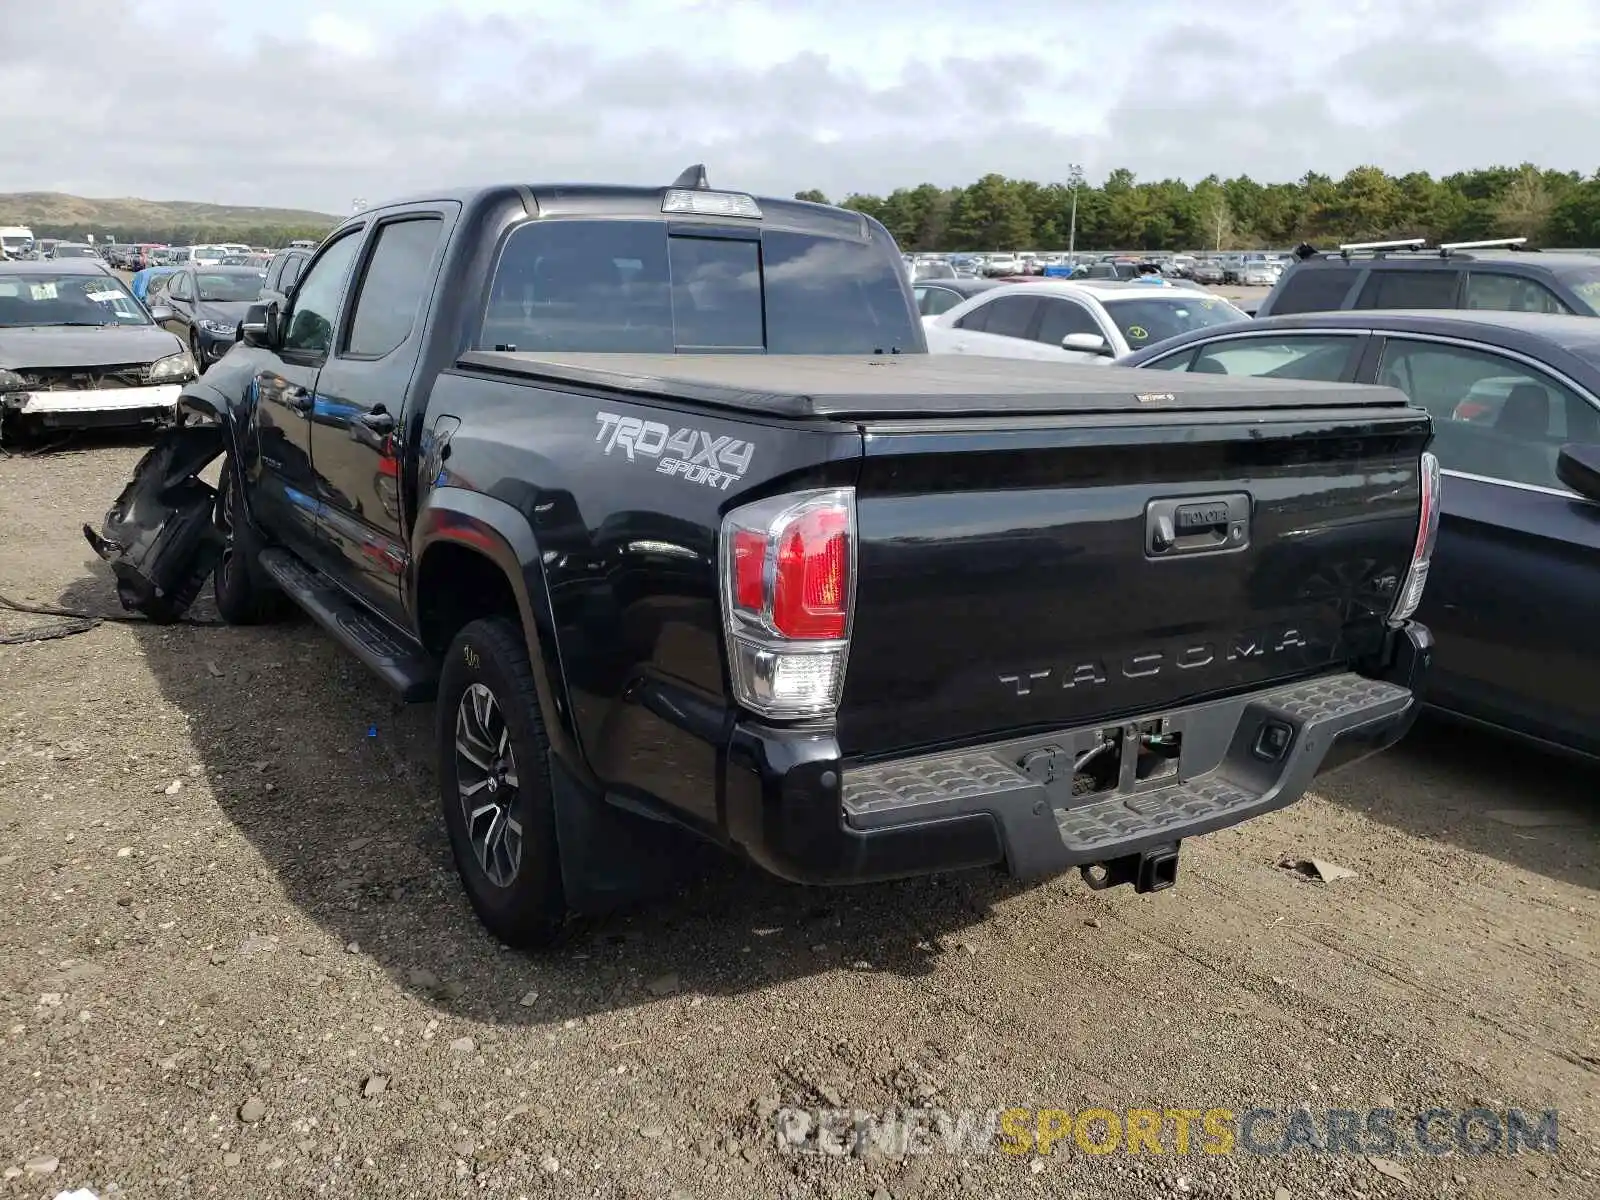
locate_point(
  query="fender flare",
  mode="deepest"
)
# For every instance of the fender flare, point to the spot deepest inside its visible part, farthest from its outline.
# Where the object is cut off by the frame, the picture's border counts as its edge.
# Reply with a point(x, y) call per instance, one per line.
point(204, 400)
point(201, 399)
point(500, 533)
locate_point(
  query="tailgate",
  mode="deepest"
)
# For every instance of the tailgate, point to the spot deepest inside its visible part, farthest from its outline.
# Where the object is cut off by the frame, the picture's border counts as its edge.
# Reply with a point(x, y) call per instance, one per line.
point(1038, 573)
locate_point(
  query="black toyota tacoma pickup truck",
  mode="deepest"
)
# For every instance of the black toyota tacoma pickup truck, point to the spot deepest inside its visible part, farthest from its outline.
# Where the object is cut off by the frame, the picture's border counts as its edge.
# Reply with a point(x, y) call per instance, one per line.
point(658, 494)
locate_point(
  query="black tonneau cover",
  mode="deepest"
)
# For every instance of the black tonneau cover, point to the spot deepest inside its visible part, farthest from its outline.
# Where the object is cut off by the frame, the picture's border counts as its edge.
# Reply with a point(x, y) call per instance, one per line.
point(844, 387)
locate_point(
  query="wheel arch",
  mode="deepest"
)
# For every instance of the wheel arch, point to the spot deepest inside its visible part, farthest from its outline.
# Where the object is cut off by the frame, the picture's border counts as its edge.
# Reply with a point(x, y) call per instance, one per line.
point(201, 400)
point(475, 556)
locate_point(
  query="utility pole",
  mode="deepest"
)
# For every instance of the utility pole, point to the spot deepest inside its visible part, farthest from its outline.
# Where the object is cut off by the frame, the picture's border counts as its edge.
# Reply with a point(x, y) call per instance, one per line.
point(1074, 181)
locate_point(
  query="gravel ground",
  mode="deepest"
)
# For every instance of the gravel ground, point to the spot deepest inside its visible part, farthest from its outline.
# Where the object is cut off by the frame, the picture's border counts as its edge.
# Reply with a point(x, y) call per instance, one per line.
point(234, 959)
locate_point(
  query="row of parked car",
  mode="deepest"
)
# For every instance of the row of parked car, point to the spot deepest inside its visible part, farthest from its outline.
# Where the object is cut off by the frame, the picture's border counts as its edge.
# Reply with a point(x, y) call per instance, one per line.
point(1246, 268)
point(204, 303)
point(138, 257)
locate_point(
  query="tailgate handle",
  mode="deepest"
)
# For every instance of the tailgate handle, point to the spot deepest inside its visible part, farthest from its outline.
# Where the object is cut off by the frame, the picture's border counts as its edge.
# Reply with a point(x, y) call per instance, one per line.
point(1197, 525)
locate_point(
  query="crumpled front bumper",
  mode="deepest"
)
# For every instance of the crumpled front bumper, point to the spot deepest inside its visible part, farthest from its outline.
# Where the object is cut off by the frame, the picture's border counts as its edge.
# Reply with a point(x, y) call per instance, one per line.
point(74, 409)
point(160, 536)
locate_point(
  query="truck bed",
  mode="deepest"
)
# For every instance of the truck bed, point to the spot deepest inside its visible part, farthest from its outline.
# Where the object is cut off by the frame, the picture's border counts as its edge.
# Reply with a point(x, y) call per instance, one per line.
point(837, 387)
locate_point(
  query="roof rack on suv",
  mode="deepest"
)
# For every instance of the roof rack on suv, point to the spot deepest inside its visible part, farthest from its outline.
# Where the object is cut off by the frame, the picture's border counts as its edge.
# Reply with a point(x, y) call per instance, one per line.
point(1446, 249)
point(1419, 246)
point(1346, 249)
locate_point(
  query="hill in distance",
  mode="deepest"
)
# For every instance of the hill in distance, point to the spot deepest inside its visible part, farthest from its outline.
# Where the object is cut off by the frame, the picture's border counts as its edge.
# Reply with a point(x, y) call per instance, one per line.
point(126, 215)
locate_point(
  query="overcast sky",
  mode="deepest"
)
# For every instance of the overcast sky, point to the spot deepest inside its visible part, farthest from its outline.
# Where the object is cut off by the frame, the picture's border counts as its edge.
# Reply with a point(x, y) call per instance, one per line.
point(310, 103)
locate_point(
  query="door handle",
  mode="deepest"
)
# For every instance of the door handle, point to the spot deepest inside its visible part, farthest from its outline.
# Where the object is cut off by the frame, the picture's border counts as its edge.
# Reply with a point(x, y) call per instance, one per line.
point(1197, 525)
point(298, 399)
point(378, 420)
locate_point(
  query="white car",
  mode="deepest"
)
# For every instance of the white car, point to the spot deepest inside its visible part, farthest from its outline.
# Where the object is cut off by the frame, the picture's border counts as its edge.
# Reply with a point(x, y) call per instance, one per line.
point(1091, 321)
point(1260, 273)
point(206, 256)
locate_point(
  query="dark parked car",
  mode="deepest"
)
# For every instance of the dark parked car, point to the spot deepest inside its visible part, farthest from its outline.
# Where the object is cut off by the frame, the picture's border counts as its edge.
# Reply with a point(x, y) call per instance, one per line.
point(75, 250)
point(854, 611)
point(1410, 275)
point(935, 296)
point(1111, 270)
point(1514, 590)
point(204, 305)
point(284, 271)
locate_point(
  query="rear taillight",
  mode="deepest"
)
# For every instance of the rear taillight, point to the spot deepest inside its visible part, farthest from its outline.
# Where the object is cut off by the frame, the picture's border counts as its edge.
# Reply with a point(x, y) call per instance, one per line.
point(1422, 552)
point(788, 590)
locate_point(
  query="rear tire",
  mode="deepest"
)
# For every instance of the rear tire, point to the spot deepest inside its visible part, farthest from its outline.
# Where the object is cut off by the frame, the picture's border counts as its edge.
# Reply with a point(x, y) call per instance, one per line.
point(495, 784)
point(245, 596)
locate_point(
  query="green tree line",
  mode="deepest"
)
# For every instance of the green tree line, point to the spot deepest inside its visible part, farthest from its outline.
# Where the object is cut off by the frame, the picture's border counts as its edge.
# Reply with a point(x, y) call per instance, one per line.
point(269, 236)
point(1550, 208)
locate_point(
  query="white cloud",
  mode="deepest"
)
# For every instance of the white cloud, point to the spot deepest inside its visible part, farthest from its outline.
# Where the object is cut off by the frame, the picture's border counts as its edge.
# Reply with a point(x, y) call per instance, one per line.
point(341, 34)
point(309, 102)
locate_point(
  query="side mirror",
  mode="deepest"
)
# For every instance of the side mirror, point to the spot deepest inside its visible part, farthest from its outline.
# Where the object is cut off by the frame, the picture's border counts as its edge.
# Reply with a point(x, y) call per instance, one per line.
point(1086, 343)
point(161, 314)
point(260, 326)
point(1578, 466)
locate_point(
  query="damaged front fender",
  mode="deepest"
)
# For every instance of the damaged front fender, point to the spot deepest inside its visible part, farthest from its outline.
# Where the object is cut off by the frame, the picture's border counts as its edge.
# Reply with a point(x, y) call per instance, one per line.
point(161, 536)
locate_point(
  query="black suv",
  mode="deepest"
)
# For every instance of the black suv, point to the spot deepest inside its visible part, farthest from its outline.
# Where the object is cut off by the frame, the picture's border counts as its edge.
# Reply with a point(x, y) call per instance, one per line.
point(1409, 274)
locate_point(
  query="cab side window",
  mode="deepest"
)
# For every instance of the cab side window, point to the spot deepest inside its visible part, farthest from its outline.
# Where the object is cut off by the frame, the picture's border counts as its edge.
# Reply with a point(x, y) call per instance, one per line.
point(393, 287)
point(316, 304)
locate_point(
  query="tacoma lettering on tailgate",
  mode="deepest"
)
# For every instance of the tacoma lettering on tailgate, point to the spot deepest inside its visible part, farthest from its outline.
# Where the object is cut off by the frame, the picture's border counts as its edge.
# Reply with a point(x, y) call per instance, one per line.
point(695, 454)
point(1143, 665)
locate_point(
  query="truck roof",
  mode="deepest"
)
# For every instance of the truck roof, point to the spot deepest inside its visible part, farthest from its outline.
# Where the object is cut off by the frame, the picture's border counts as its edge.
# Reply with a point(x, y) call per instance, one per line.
point(597, 200)
point(847, 387)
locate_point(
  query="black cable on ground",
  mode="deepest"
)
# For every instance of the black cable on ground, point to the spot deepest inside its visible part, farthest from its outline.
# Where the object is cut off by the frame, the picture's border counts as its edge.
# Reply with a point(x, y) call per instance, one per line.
point(74, 622)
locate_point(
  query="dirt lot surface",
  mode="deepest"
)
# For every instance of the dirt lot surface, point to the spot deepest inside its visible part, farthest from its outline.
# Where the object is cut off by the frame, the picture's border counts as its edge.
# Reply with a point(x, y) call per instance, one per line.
point(234, 960)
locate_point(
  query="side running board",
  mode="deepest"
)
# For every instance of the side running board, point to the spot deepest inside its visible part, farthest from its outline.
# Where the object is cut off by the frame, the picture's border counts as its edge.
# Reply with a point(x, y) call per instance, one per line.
point(388, 653)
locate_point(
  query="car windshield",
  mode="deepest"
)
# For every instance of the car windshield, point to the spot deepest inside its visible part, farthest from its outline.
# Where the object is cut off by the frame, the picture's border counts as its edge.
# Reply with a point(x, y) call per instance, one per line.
point(230, 287)
point(1146, 320)
point(1587, 285)
point(75, 252)
point(40, 299)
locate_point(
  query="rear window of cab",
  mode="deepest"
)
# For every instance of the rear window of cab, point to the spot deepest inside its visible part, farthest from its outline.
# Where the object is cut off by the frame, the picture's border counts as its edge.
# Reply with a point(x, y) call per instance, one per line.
point(631, 287)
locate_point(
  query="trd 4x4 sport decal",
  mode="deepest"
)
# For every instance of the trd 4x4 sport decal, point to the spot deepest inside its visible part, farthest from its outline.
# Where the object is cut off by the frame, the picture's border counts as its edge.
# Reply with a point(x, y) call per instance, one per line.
point(696, 455)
